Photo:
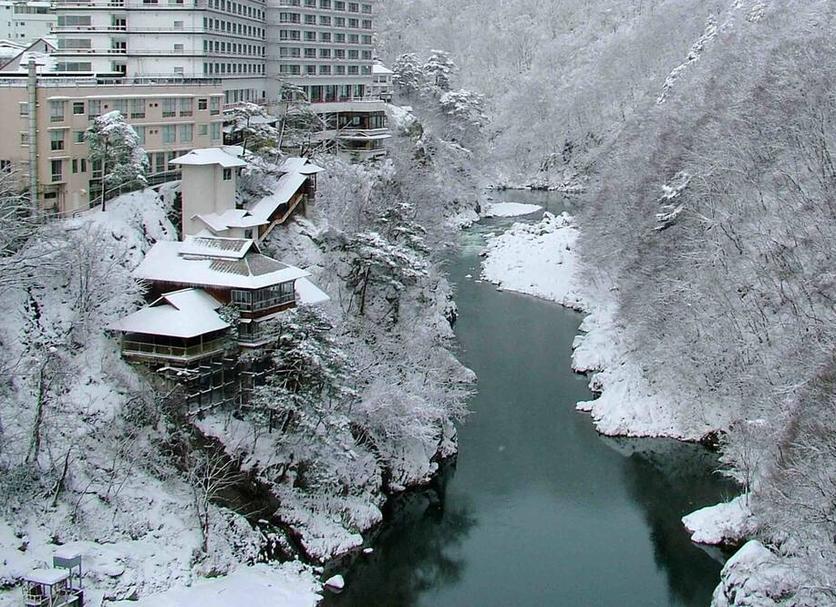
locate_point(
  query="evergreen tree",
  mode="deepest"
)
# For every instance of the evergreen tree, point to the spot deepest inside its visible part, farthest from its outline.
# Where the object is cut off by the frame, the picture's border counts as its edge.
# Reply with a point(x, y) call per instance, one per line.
point(114, 146)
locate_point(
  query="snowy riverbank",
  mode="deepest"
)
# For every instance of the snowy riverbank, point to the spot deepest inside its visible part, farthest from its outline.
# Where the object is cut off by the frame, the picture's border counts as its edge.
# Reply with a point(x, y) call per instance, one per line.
point(540, 259)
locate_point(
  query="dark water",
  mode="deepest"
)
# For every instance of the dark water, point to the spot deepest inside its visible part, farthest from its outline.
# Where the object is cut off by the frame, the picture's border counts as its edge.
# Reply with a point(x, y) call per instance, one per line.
point(539, 510)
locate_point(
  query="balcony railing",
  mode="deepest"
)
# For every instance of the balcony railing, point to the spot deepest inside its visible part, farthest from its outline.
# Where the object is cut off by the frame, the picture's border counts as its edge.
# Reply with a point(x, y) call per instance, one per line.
point(168, 352)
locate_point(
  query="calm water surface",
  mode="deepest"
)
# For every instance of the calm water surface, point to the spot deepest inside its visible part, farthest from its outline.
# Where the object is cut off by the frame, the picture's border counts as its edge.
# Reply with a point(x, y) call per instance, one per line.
point(539, 510)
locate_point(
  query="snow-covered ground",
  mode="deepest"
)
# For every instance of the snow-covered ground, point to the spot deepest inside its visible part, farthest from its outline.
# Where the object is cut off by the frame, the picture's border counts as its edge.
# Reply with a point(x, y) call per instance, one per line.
point(510, 209)
point(288, 585)
point(540, 259)
point(726, 523)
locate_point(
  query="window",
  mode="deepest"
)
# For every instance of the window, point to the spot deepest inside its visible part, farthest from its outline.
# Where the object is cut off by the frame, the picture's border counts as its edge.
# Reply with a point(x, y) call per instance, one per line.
point(24, 139)
point(169, 107)
point(73, 20)
point(56, 111)
point(74, 43)
point(178, 48)
point(79, 165)
point(24, 108)
point(137, 108)
point(56, 140)
point(140, 134)
point(57, 170)
point(78, 136)
point(94, 108)
point(214, 106)
point(202, 130)
point(168, 133)
point(227, 175)
point(216, 131)
point(310, 53)
point(202, 103)
point(78, 107)
point(186, 106)
point(121, 106)
point(186, 131)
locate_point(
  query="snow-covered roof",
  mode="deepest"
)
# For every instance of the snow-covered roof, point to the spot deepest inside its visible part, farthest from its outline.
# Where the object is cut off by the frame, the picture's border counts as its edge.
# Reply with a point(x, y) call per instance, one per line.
point(287, 185)
point(185, 313)
point(307, 293)
point(297, 164)
point(379, 68)
point(208, 156)
point(168, 262)
point(231, 218)
point(48, 577)
point(67, 552)
point(216, 246)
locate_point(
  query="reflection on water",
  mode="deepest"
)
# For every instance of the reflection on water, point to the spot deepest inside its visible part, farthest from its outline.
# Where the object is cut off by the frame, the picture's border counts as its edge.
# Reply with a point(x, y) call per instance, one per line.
point(540, 509)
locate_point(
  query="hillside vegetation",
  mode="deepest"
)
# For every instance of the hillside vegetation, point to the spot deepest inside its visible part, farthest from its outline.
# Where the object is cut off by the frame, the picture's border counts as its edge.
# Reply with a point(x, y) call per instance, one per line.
point(705, 133)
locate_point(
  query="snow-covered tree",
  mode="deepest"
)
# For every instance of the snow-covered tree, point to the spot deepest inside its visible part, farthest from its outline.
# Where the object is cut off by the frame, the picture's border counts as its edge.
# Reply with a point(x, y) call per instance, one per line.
point(253, 127)
point(439, 70)
point(408, 75)
point(376, 261)
point(114, 146)
point(309, 376)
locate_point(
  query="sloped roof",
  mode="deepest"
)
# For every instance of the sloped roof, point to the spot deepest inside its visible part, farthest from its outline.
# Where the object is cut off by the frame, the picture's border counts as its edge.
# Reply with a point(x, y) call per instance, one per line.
point(216, 246)
point(177, 262)
point(185, 313)
point(379, 68)
point(208, 156)
point(231, 218)
point(307, 293)
point(287, 185)
point(296, 164)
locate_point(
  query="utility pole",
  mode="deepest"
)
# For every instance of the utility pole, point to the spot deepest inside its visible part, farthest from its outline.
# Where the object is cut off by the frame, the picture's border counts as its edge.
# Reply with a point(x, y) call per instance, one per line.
point(104, 172)
point(32, 90)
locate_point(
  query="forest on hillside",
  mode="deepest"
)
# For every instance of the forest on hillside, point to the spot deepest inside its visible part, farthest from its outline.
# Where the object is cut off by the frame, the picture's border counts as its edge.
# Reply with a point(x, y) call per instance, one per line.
point(704, 134)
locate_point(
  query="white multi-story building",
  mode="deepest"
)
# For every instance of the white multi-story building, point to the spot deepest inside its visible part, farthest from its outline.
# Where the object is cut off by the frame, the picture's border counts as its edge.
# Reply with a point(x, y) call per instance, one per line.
point(25, 22)
point(151, 38)
point(322, 46)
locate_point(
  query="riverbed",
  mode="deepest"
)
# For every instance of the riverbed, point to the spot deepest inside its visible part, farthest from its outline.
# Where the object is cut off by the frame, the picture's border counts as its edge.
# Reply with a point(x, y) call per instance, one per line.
point(539, 509)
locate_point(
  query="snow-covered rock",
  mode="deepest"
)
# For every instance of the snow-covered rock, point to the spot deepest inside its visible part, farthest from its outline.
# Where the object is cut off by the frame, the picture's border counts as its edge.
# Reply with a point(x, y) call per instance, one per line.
point(335, 582)
point(726, 523)
point(754, 577)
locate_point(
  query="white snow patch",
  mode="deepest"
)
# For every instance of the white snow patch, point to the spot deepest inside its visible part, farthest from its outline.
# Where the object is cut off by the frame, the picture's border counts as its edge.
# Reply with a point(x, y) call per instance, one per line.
point(721, 524)
point(537, 259)
point(289, 585)
point(511, 209)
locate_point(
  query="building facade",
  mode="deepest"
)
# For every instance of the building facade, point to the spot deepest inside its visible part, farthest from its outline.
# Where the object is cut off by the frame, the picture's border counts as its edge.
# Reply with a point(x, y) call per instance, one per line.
point(222, 39)
point(25, 22)
point(170, 119)
point(256, 47)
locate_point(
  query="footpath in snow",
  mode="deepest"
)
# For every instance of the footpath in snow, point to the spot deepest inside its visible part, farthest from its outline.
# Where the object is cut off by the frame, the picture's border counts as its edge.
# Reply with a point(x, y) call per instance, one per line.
point(540, 259)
